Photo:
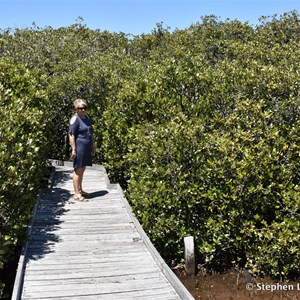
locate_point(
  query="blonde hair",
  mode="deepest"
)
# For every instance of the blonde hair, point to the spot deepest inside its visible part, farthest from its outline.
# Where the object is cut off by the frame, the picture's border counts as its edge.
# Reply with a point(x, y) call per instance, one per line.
point(79, 101)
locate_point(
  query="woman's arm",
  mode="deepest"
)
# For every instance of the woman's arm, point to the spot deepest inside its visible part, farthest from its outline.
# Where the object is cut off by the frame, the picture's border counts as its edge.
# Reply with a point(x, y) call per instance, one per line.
point(73, 145)
point(72, 138)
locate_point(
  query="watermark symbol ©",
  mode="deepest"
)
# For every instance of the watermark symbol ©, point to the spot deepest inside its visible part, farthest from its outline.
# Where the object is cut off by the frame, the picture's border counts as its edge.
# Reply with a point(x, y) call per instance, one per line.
point(273, 287)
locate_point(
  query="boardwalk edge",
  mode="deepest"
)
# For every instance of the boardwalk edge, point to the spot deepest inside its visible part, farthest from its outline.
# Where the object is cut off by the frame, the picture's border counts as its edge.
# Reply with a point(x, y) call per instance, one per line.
point(173, 279)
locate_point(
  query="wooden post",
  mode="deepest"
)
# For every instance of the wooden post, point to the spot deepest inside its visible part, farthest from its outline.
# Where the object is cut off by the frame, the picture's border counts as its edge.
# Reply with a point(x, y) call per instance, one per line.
point(189, 255)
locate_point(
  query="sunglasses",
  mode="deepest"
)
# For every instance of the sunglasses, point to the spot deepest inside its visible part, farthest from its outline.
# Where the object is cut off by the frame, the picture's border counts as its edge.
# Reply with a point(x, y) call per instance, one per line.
point(82, 108)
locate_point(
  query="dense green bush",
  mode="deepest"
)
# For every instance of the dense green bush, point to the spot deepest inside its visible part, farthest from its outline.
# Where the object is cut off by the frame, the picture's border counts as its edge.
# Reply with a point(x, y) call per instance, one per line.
point(209, 142)
point(22, 152)
point(200, 126)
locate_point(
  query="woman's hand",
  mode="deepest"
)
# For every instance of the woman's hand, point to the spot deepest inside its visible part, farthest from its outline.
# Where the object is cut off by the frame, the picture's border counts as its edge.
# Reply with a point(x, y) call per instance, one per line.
point(73, 155)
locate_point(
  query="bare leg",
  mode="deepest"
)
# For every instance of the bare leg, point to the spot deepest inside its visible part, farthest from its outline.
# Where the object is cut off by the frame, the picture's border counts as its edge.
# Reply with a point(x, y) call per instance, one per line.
point(80, 183)
point(77, 180)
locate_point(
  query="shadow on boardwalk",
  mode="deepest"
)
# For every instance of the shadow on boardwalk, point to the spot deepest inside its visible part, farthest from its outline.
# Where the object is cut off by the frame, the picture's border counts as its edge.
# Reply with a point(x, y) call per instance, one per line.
point(51, 206)
point(46, 222)
point(96, 194)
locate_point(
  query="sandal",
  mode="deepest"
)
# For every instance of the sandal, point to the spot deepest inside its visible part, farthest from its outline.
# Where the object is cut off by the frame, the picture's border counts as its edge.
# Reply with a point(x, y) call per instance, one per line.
point(80, 198)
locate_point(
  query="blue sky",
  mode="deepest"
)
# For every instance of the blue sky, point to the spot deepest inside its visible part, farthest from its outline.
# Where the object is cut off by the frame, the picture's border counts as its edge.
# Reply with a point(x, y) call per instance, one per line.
point(135, 16)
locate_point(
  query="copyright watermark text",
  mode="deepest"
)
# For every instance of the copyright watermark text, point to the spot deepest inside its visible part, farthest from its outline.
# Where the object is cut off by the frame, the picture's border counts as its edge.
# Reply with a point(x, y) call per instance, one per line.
point(272, 287)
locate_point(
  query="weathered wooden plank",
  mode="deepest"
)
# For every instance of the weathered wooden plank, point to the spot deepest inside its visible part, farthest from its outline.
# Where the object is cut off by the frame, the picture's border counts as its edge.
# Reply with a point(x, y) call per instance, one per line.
point(88, 214)
point(104, 218)
point(114, 289)
point(140, 261)
point(102, 257)
point(82, 233)
point(102, 260)
point(154, 294)
point(97, 248)
point(118, 295)
point(90, 289)
point(95, 253)
point(85, 270)
point(96, 280)
point(63, 276)
point(121, 296)
point(40, 234)
point(118, 213)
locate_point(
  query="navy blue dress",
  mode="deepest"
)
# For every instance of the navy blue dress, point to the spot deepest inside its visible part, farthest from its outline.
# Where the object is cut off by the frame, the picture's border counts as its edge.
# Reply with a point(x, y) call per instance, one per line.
point(82, 130)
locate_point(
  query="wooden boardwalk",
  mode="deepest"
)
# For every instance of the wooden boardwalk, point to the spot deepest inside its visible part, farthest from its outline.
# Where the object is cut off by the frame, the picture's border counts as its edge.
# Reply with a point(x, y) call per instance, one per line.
point(92, 250)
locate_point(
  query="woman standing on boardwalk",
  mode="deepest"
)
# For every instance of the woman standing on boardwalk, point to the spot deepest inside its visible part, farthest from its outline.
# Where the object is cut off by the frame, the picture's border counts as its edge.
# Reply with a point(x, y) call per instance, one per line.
point(81, 140)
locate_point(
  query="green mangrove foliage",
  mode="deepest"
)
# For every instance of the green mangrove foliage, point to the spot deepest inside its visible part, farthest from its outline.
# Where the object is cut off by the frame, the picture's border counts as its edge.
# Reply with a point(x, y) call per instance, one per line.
point(22, 152)
point(200, 126)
